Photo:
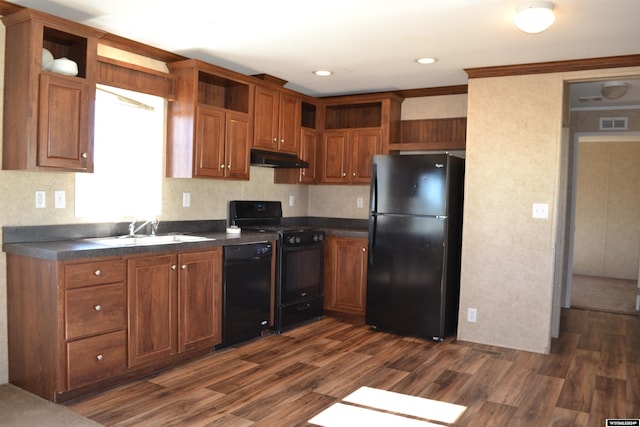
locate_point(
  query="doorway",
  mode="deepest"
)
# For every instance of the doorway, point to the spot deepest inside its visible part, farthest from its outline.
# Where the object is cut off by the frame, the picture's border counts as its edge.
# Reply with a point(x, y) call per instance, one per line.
point(605, 223)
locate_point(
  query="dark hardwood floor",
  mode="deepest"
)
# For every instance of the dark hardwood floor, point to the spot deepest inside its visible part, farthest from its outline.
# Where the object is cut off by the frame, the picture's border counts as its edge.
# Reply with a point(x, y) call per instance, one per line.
point(592, 373)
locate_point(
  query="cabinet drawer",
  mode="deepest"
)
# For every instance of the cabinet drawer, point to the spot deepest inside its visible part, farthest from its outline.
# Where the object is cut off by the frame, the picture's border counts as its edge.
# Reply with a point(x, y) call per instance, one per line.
point(95, 309)
point(95, 359)
point(95, 273)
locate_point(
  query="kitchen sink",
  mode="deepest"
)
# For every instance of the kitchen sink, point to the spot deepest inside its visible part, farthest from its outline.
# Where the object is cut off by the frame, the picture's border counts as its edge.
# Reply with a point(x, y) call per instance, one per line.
point(149, 240)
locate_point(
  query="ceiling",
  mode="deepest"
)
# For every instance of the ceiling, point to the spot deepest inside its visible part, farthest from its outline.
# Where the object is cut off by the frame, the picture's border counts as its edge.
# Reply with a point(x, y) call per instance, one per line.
point(370, 45)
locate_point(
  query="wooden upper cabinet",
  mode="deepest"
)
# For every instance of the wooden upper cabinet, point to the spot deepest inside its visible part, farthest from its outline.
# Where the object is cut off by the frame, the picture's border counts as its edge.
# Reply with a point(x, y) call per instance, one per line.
point(48, 117)
point(221, 143)
point(355, 129)
point(276, 121)
point(347, 154)
point(308, 150)
point(210, 122)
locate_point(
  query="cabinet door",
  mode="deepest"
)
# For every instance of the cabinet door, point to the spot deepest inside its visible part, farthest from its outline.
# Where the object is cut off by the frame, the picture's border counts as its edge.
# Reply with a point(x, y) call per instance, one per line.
point(334, 157)
point(289, 124)
point(152, 292)
point(309, 153)
point(365, 143)
point(265, 127)
point(347, 275)
point(237, 136)
point(209, 142)
point(200, 296)
point(65, 117)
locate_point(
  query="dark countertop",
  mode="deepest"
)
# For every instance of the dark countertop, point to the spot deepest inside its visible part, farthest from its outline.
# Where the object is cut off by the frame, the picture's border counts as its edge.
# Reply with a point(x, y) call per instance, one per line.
point(73, 241)
point(61, 250)
point(348, 232)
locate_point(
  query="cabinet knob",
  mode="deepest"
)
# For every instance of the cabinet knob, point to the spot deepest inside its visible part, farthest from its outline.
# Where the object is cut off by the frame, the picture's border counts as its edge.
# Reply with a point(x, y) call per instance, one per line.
point(98, 272)
point(229, 166)
point(364, 249)
point(97, 307)
point(173, 267)
point(84, 155)
point(275, 139)
point(353, 174)
point(183, 266)
point(221, 166)
point(344, 174)
point(99, 357)
point(282, 141)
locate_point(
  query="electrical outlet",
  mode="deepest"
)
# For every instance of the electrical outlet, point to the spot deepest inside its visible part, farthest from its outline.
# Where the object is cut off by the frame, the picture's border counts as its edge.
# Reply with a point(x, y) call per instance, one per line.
point(41, 199)
point(59, 199)
point(186, 200)
point(360, 202)
point(472, 314)
point(292, 200)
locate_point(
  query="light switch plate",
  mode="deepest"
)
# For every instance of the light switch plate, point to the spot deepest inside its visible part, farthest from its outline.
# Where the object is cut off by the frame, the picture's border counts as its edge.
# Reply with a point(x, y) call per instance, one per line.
point(59, 199)
point(540, 211)
point(186, 200)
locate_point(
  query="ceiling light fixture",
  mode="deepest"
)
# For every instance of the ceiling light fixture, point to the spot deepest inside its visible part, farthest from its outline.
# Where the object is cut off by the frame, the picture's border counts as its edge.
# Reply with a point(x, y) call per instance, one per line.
point(614, 90)
point(323, 73)
point(534, 16)
point(426, 60)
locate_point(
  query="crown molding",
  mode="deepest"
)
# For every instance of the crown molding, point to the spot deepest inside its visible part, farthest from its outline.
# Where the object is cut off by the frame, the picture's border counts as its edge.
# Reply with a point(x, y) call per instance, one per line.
point(555, 66)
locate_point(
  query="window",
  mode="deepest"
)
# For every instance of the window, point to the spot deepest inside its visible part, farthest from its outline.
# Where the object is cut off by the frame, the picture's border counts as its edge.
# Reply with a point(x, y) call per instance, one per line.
point(128, 147)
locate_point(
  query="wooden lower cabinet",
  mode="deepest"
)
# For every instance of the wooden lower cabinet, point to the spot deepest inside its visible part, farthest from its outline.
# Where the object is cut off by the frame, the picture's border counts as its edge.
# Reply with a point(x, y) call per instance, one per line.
point(175, 305)
point(75, 325)
point(346, 275)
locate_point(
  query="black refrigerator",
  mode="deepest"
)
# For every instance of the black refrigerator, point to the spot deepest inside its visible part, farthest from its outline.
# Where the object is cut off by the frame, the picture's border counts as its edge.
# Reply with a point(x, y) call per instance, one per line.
point(415, 239)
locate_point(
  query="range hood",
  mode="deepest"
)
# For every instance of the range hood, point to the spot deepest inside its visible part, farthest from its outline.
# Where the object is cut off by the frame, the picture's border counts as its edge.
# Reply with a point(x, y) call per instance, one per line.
point(272, 159)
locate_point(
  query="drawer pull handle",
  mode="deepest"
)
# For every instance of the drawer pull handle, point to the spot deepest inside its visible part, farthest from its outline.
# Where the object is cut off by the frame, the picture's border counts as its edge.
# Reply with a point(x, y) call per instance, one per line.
point(99, 357)
point(98, 272)
point(97, 307)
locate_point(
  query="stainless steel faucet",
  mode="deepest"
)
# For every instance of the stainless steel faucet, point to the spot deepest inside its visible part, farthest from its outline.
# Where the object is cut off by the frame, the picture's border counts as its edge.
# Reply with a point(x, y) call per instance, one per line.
point(133, 229)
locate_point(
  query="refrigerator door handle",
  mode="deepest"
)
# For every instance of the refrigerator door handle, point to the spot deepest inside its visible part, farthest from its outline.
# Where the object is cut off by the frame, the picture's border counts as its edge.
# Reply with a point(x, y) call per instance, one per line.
point(372, 236)
point(373, 199)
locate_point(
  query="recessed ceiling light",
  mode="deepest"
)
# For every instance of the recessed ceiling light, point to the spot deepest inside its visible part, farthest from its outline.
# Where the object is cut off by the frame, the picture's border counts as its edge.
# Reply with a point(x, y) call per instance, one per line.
point(323, 73)
point(426, 60)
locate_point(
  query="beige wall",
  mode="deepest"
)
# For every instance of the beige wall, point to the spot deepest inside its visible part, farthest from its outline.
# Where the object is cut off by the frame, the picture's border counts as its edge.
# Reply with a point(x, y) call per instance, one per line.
point(516, 155)
point(513, 138)
point(607, 225)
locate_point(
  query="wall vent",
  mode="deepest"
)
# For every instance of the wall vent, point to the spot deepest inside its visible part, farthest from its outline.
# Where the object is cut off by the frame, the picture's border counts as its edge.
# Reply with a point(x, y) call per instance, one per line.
point(613, 123)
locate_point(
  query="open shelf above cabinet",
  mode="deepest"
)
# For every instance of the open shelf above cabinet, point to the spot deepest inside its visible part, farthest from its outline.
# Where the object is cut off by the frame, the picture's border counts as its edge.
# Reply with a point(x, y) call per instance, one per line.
point(222, 92)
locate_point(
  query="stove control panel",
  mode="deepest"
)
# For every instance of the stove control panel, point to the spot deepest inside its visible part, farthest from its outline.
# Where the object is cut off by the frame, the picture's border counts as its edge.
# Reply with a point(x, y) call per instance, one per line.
point(303, 237)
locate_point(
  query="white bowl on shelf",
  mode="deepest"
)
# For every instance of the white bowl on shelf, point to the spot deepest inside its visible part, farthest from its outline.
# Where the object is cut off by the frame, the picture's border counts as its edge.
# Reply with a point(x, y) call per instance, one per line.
point(47, 59)
point(64, 66)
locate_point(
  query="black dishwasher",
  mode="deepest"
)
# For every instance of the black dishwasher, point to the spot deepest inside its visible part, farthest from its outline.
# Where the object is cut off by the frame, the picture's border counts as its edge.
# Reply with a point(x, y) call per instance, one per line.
point(246, 292)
